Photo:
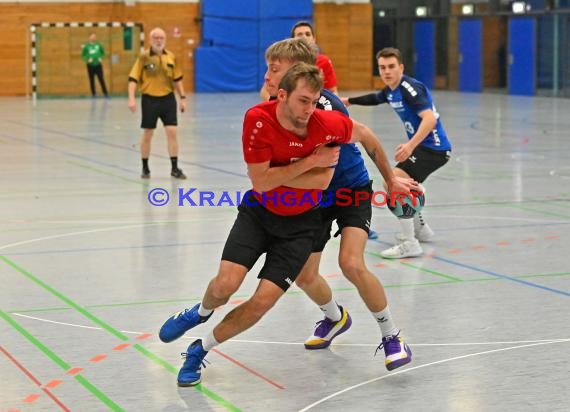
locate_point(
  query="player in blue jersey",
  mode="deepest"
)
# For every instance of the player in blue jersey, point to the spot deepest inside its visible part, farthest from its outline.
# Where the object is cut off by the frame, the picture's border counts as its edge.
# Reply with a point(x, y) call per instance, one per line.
point(353, 222)
point(427, 149)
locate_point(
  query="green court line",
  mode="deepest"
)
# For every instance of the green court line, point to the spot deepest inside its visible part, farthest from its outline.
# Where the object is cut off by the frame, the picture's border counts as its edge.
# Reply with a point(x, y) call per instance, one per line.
point(60, 362)
point(432, 272)
point(540, 212)
point(151, 356)
point(199, 387)
point(421, 269)
point(289, 292)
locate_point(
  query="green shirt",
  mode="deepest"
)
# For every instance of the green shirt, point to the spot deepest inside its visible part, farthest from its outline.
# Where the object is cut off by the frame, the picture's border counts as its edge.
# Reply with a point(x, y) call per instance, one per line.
point(93, 51)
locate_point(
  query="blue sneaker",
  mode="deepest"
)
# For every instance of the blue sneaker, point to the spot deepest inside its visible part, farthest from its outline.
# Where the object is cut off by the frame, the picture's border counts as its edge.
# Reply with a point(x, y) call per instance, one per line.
point(326, 330)
point(397, 351)
point(190, 373)
point(372, 234)
point(180, 323)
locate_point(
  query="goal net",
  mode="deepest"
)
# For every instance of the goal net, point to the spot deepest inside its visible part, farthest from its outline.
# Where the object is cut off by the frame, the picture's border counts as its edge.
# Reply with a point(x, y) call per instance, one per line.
point(57, 69)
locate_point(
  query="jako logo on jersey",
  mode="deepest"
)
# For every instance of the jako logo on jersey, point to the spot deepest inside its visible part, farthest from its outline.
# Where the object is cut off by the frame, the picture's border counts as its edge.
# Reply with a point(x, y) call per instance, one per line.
point(295, 144)
point(409, 128)
point(409, 88)
point(259, 125)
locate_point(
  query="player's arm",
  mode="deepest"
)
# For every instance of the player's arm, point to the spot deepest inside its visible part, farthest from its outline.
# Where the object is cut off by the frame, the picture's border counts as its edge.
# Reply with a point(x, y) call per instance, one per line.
point(428, 123)
point(371, 143)
point(371, 99)
point(264, 177)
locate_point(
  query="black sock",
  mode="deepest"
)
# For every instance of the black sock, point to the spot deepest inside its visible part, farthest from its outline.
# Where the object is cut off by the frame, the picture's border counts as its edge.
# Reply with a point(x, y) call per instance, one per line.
point(145, 164)
point(174, 162)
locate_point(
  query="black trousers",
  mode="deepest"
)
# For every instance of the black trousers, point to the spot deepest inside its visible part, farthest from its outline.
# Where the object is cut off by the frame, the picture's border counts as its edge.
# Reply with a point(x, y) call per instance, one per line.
point(96, 71)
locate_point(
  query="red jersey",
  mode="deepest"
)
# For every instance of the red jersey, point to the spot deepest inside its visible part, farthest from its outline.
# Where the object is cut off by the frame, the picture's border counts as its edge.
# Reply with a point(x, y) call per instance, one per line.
point(264, 139)
point(326, 66)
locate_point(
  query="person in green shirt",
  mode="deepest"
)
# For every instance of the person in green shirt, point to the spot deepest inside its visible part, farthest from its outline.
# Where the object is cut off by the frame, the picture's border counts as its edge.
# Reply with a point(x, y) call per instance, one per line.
point(92, 54)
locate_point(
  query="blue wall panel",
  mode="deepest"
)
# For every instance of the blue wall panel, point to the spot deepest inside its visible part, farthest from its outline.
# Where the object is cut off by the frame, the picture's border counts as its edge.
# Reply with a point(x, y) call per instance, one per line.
point(225, 32)
point(226, 69)
point(298, 9)
point(522, 56)
point(424, 47)
point(238, 32)
point(231, 8)
point(470, 49)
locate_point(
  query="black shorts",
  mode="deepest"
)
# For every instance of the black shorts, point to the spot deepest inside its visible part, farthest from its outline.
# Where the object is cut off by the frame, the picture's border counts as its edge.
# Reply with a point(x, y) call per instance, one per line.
point(286, 240)
point(423, 162)
point(154, 108)
point(348, 211)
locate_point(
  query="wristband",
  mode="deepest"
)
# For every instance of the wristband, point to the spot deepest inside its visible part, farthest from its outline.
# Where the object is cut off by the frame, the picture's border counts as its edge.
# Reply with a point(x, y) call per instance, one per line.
point(182, 97)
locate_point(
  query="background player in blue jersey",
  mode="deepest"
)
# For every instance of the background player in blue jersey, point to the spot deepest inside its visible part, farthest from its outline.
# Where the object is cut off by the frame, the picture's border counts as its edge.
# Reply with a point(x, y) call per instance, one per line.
point(427, 149)
point(353, 221)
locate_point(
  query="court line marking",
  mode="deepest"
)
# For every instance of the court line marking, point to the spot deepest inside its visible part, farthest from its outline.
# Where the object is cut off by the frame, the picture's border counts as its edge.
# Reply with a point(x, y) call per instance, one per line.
point(44, 388)
point(263, 342)
point(99, 394)
point(83, 232)
point(400, 372)
point(113, 331)
point(506, 277)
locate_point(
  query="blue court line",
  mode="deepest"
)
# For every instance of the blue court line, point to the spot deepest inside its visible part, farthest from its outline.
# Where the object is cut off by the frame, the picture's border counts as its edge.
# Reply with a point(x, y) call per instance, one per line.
point(488, 272)
point(498, 275)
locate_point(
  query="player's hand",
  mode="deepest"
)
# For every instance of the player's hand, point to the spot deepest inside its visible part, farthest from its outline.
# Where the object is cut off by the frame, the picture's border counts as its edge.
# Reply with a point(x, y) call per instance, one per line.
point(344, 101)
point(403, 185)
point(182, 104)
point(132, 105)
point(326, 156)
point(403, 151)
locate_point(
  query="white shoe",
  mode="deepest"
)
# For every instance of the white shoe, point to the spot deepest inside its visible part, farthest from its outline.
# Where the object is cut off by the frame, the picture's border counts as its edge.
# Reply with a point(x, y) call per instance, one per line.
point(424, 234)
point(408, 248)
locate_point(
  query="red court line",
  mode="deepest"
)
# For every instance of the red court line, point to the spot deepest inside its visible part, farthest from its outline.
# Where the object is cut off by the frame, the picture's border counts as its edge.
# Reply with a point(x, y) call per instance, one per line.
point(144, 336)
point(34, 379)
point(74, 371)
point(122, 346)
point(98, 358)
point(241, 365)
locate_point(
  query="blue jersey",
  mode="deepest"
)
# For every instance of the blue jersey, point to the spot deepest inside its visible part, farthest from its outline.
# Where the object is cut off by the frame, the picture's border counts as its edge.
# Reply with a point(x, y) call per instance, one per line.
point(408, 99)
point(350, 172)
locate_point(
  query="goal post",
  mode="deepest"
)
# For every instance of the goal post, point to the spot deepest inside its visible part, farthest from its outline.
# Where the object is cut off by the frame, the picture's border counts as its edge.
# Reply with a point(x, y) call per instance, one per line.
point(57, 69)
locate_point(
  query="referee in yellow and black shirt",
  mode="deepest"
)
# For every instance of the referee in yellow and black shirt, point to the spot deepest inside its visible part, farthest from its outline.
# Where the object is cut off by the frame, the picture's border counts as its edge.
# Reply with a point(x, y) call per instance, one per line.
point(157, 73)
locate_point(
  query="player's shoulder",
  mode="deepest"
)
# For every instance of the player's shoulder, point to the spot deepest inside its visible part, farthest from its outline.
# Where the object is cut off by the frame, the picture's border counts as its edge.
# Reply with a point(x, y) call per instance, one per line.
point(411, 87)
point(262, 110)
point(330, 101)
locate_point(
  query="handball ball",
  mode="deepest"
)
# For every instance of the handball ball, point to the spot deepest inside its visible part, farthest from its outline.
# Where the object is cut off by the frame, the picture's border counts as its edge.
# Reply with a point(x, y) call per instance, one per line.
point(403, 207)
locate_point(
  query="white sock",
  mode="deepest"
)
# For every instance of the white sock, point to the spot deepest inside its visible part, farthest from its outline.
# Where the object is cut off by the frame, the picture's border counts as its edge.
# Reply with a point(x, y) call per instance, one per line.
point(419, 220)
point(209, 341)
point(202, 311)
point(407, 228)
point(385, 321)
point(331, 311)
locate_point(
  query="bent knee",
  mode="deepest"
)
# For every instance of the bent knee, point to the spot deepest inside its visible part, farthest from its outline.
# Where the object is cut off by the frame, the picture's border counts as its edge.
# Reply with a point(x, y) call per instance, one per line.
point(353, 268)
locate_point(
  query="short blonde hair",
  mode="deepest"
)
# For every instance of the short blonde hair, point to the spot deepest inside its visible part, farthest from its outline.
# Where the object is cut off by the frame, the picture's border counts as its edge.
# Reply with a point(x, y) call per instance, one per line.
point(292, 50)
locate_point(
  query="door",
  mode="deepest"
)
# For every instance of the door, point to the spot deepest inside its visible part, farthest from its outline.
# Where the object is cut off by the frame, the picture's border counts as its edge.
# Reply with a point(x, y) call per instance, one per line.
point(424, 46)
point(470, 53)
point(522, 56)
